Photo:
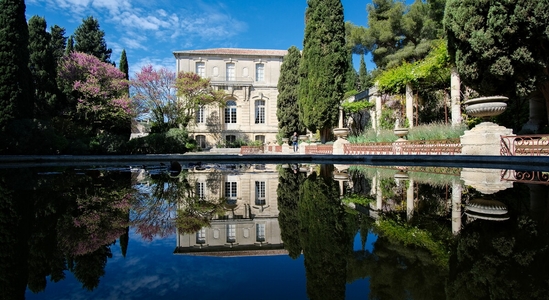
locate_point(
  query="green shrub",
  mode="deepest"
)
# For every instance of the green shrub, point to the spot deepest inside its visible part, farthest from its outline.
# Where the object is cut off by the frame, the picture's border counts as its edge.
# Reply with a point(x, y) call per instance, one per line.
point(174, 141)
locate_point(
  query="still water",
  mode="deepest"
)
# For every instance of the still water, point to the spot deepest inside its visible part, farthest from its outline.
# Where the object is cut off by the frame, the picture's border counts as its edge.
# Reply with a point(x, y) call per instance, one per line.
point(255, 231)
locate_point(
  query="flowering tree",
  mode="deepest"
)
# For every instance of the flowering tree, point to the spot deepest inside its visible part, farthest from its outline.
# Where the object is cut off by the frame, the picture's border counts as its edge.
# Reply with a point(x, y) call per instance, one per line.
point(96, 92)
point(169, 99)
point(154, 95)
point(193, 92)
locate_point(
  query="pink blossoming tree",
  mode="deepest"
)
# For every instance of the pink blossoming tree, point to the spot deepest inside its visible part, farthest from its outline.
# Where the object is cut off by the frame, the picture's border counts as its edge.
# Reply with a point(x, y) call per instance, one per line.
point(97, 93)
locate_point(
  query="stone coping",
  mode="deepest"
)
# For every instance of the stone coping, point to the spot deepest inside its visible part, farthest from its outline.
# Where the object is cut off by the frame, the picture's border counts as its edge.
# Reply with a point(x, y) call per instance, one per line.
point(531, 163)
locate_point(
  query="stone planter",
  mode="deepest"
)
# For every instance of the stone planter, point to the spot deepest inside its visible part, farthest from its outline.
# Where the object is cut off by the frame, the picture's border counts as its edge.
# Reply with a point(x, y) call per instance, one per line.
point(401, 133)
point(486, 107)
point(341, 132)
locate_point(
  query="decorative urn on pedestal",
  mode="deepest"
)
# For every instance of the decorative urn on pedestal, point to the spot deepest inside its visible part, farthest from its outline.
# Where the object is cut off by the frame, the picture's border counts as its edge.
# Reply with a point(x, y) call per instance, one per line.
point(484, 138)
point(486, 107)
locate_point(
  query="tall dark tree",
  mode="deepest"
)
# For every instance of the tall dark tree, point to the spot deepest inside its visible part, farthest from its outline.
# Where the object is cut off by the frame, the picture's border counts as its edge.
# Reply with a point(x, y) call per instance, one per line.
point(58, 42)
point(89, 39)
point(70, 45)
point(43, 67)
point(16, 101)
point(364, 78)
point(123, 67)
point(323, 66)
point(288, 87)
point(351, 78)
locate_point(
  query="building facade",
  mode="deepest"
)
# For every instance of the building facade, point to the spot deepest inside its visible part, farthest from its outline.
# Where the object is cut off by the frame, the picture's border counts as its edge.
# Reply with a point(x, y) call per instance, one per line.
point(250, 78)
point(249, 225)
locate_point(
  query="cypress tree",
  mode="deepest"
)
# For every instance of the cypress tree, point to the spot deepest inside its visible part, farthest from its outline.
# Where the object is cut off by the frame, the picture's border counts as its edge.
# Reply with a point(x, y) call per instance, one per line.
point(70, 46)
point(323, 66)
point(123, 67)
point(288, 87)
point(58, 42)
point(364, 78)
point(89, 39)
point(43, 67)
point(16, 100)
point(351, 78)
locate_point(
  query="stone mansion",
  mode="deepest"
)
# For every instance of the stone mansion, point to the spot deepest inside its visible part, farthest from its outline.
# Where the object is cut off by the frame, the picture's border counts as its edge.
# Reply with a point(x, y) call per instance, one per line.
point(250, 78)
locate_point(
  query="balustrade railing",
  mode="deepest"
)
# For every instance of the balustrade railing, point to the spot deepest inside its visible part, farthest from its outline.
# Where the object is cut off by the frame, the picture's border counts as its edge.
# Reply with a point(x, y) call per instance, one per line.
point(251, 149)
point(448, 147)
point(319, 149)
point(525, 145)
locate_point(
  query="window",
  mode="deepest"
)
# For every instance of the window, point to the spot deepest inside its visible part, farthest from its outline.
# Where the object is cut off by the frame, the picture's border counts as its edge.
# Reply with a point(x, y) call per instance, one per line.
point(230, 112)
point(260, 138)
point(200, 115)
point(260, 112)
point(201, 141)
point(199, 187)
point(201, 236)
point(201, 69)
point(259, 72)
point(260, 193)
point(260, 232)
point(231, 76)
point(230, 190)
point(231, 233)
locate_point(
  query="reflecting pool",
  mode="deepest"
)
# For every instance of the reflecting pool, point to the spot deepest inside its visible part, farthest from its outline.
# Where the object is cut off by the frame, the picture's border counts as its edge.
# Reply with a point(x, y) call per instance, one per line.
point(266, 231)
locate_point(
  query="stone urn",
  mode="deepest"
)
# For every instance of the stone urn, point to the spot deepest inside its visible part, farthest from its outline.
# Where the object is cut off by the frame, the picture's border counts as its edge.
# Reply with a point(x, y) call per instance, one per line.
point(401, 133)
point(486, 209)
point(341, 132)
point(486, 107)
point(401, 175)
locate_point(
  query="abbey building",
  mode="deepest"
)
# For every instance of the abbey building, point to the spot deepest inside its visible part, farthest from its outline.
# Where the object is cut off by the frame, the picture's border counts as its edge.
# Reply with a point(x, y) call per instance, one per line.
point(250, 78)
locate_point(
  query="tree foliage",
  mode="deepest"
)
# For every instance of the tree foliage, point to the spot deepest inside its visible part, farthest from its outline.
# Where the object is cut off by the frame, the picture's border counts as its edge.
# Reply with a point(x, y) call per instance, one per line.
point(193, 92)
point(397, 33)
point(43, 68)
point(58, 42)
point(432, 71)
point(364, 77)
point(89, 39)
point(124, 68)
point(500, 47)
point(170, 100)
point(288, 88)
point(97, 92)
point(323, 66)
point(16, 101)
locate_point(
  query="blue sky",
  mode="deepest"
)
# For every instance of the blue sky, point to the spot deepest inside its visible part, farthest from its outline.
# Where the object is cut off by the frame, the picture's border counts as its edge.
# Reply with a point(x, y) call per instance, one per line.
point(150, 30)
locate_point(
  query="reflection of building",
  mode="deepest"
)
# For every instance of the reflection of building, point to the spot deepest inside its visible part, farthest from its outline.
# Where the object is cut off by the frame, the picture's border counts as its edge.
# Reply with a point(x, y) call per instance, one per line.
point(250, 77)
point(250, 223)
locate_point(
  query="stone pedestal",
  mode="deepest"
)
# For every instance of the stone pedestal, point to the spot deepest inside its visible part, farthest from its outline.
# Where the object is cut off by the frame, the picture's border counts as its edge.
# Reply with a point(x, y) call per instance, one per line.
point(483, 139)
point(486, 181)
point(339, 146)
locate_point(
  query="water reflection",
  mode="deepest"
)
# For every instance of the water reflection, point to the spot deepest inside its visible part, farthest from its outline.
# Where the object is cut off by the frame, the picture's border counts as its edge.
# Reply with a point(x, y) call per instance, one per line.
point(439, 232)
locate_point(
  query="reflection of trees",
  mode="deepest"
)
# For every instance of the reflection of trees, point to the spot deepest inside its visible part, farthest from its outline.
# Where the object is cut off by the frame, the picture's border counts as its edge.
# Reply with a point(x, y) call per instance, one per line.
point(500, 260)
point(154, 206)
point(326, 237)
point(288, 197)
point(14, 220)
point(56, 223)
point(401, 272)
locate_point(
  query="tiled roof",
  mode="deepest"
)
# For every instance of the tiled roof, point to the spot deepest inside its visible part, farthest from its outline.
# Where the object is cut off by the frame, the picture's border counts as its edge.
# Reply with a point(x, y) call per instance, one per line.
point(235, 51)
